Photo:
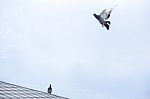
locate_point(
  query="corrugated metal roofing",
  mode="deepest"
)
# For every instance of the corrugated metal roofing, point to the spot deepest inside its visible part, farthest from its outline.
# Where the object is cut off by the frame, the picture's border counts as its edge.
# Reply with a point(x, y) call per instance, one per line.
point(11, 91)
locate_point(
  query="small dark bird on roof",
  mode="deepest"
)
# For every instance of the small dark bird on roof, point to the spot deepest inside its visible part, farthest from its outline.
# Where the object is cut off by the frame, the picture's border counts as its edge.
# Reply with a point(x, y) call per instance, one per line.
point(49, 89)
point(104, 15)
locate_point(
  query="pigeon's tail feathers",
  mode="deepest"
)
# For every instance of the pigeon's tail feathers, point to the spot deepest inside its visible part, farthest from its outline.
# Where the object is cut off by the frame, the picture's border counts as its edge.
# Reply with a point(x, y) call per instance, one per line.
point(108, 22)
point(107, 26)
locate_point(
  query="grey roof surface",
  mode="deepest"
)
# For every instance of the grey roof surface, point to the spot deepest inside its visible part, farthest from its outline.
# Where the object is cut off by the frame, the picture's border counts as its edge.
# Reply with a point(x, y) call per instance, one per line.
point(11, 91)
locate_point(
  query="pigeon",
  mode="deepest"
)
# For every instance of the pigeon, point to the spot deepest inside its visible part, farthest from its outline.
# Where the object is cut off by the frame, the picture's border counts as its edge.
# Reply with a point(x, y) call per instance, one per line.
point(104, 15)
point(50, 89)
point(102, 21)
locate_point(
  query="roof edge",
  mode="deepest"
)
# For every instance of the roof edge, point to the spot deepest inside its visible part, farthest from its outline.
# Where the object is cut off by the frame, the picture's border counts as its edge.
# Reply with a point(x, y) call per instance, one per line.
point(33, 89)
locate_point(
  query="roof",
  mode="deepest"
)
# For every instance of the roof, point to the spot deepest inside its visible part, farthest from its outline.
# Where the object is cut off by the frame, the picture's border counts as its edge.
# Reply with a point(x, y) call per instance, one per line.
point(11, 91)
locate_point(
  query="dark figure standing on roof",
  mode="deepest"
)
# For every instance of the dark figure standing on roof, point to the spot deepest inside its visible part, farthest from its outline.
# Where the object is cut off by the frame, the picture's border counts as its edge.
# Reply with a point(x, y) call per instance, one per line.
point(49, 89)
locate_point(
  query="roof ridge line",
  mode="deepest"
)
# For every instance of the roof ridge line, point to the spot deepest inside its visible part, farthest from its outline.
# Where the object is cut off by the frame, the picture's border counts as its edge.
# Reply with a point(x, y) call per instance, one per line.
point(33, 89)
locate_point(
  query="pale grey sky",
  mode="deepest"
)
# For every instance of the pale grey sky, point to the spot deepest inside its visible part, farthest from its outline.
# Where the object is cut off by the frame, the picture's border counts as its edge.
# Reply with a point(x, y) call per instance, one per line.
point(60, 42)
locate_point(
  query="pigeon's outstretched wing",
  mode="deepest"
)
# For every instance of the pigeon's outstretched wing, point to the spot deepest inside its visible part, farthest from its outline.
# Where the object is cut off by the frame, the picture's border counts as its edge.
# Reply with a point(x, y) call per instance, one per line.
point(107, 26)
point(105, 14)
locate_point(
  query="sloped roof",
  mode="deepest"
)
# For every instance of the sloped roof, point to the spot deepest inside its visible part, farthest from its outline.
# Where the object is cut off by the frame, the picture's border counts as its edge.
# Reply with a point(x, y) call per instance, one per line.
point(11, 91)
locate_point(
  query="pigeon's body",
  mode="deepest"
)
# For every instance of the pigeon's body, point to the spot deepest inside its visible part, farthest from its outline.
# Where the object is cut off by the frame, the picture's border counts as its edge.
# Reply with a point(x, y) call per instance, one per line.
point(50, 89)
point(102, 21)
point(99, 18)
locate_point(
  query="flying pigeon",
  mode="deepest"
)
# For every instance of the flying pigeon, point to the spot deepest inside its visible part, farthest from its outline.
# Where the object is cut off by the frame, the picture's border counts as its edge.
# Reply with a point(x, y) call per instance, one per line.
point(104, 15)
point(102, 21)
point(50, 89)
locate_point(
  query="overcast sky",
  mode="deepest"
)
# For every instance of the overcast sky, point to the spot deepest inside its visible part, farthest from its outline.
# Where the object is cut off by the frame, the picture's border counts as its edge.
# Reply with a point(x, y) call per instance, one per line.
point(60, 42)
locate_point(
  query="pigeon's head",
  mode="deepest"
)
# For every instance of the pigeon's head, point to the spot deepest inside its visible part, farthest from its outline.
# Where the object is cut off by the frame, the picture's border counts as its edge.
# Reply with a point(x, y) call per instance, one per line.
point(96, 16)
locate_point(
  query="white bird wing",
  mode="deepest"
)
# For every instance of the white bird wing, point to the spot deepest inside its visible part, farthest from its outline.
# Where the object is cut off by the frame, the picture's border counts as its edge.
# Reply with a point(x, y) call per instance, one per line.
point(104, 14)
